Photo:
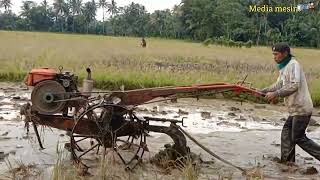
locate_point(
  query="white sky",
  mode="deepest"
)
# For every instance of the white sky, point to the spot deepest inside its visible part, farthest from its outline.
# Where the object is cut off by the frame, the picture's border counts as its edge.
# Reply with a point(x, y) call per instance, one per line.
point(151, 5)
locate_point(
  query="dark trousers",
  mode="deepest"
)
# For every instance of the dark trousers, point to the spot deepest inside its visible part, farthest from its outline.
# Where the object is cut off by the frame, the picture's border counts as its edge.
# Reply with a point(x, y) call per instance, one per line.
point(294, 132)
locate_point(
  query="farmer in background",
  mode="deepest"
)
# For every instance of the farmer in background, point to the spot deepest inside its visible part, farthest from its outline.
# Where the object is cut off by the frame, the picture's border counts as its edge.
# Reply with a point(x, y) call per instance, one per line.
point(143, 43)
point(292, 86)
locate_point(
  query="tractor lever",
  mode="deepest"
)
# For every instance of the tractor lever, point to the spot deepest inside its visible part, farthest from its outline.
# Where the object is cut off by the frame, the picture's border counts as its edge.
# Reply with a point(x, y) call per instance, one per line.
point(165, 120)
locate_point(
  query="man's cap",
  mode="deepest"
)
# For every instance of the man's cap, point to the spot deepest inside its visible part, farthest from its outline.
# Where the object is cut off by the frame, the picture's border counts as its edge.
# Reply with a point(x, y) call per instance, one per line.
point(281, 47)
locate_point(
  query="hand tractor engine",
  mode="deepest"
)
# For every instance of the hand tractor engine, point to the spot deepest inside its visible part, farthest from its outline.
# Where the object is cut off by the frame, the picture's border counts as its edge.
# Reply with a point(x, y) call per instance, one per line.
point(53, 90)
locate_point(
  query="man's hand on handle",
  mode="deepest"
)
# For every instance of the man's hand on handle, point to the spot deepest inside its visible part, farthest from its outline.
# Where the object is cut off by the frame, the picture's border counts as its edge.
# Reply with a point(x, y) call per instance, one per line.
point(271, 96)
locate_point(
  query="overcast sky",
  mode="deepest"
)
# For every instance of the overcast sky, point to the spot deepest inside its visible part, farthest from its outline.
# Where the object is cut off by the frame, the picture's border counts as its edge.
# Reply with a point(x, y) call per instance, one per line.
point(150, 5)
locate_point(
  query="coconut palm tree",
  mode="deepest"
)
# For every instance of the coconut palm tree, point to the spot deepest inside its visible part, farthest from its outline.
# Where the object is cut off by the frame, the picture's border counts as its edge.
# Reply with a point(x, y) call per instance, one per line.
point(78, 7)
point(6, 4)
point(59, 9)
point(89, 11)
point(26, 7)
point(103, 4)
point(59, 6)
point(76, 10)
point(45, 5)
point(113, 8)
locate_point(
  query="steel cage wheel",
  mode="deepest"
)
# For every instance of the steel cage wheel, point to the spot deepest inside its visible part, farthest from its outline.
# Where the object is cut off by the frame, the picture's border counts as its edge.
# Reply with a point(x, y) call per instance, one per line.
point(112, 128)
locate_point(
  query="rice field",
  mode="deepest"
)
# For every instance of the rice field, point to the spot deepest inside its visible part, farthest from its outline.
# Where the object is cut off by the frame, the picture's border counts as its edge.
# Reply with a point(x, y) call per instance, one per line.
point(117, 61)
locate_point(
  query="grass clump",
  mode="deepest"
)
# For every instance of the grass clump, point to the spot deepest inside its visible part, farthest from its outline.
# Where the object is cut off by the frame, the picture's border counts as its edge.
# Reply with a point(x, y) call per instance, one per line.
point(63, 169)
point(22, 170)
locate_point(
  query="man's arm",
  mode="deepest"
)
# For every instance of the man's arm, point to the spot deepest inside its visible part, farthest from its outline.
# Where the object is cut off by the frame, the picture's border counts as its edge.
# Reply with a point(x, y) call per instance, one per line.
point(294, 82)
point(274, 87)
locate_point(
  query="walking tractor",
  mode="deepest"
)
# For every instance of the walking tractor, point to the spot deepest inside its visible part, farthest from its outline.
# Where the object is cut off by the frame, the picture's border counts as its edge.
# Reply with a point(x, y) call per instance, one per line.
point(103, 121)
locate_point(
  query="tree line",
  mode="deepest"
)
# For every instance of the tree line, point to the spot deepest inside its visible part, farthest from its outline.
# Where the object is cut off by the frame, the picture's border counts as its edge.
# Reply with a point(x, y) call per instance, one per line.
point(198, 20)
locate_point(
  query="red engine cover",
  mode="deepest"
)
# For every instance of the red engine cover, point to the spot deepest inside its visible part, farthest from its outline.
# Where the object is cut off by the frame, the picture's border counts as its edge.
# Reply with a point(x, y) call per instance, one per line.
point(38, 75)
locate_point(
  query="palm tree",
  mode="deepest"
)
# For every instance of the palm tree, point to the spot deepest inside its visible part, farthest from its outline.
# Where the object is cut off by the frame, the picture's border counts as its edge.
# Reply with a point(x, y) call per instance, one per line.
point(113, 8)
point(25, 12)
point(6, 4)
point(78, 6)
point(177, 25)
point(103, 4)
point(76, 10)
point(66, 14)
point(59, 9)
point(58, 6)
point(45, 5)
point(157, 20)
point(26, 7)
point(89, 12)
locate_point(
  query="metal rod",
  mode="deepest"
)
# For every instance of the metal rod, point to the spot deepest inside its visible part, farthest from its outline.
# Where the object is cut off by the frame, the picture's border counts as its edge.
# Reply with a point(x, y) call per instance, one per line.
point(37, 134)
point(81, 139)
point(162, 119)
point(136, 145)
point(244, 80)
point(88, 150)
point(87, 136)
point(70, 99)
point(209, 151)
point(187, 96)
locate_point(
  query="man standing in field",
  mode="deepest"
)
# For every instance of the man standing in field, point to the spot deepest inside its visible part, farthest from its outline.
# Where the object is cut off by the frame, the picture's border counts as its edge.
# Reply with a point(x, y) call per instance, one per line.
point(292, 86)
point(143, 43)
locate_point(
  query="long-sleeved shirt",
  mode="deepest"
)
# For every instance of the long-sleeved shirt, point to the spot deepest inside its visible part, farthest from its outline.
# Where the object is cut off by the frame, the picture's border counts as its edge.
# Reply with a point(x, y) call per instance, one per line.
point(292, 85)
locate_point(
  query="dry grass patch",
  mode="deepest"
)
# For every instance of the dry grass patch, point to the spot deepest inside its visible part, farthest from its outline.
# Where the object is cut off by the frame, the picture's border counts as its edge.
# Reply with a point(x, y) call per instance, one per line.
point(120, 61)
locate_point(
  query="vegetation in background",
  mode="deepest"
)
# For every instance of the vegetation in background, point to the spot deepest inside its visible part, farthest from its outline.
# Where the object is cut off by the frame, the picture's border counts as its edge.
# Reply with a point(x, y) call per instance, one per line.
point(117, 61)
point(195, 20)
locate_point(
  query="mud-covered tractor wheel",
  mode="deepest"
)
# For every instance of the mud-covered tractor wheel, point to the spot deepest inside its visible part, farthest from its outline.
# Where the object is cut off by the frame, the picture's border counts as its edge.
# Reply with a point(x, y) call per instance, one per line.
point(45, 94)
point(114, 129)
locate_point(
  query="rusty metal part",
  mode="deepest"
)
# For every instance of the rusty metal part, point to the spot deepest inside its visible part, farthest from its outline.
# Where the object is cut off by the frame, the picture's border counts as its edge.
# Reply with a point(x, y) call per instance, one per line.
point(111, 122)
point(37, 134)
point(89, 128)
point(124, 131)
point(107, 122)
point(140, 96)
point(44, 94)
point(85, 127)
point(165, 120)
point(180, 142)
point(173, 154)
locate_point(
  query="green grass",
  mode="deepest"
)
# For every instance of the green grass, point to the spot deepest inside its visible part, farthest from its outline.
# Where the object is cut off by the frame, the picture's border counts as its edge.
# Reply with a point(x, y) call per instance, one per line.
point(117, 61)
point(13, 76)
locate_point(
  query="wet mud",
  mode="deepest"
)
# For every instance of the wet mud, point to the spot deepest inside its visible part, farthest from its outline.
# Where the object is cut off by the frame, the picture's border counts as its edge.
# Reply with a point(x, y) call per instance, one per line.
point(245, 134)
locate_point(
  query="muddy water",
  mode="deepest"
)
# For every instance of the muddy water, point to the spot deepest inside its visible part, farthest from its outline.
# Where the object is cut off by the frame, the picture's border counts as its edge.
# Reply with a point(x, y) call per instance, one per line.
point(243, 133)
